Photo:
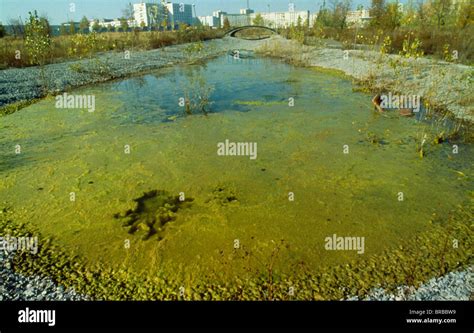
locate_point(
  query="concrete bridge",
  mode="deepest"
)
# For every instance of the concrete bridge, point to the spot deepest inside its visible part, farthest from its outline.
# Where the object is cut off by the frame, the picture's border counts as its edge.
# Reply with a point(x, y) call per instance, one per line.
point(233, 31)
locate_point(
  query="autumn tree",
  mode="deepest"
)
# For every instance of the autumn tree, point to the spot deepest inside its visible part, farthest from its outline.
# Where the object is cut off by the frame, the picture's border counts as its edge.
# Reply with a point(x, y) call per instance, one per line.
point(377, 13)
point(96, 26)
point(124, 24)
point(392, 16)
point(62, 30)
point(440, 11)
point(339, 14)
point(84, 25)
point(38, 39)
point(465, 15)
point(226, 24)
point(258, 20)
point(72, 28)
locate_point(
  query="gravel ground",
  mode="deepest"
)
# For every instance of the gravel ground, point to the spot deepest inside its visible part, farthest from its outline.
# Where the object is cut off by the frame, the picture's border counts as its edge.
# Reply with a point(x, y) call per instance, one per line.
point(17, 287)
point(454, 286)
point(18, 84)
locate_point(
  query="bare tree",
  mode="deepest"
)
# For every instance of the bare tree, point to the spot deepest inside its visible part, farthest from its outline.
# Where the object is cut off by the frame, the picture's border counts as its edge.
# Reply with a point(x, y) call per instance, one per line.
point(339, 13)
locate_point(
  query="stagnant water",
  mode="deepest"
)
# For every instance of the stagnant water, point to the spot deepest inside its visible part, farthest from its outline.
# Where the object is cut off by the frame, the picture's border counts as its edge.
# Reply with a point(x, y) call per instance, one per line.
point(343, 165)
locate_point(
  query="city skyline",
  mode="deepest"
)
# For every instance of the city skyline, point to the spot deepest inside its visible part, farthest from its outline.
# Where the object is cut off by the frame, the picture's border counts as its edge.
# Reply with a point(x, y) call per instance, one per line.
point(10, 9)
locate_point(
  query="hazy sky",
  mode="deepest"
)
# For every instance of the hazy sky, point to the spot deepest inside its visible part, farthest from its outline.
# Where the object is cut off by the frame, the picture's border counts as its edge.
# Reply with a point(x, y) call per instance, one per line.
point(58, 10)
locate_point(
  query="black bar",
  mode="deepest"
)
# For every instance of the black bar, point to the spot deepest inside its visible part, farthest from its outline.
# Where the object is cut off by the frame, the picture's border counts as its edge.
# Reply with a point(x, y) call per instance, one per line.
point(337, 315)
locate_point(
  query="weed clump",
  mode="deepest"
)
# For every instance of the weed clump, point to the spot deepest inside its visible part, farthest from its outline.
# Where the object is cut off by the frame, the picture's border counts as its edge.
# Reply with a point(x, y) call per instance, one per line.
point(152, 212)
point(223, 195)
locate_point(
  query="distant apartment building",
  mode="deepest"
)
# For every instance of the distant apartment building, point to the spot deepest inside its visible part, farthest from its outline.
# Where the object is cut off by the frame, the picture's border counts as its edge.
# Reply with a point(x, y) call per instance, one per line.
point(283, 19)
point(246, 11)
point(156, 14)
point(179, 13)
point(236, 20)
point(110, 24)
point(272, 19)
point(358, 17)
point(215, 21)
point(210, 21)
point(312, 18)
point(147, 14)
point(218, 13)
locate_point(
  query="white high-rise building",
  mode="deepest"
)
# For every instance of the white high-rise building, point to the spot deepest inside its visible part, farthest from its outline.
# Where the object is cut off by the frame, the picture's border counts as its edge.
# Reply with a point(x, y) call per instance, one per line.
point(272, 19)
point(141, 14)
point(236, 20)
point(247, 11)
point(218, 13)
point(150, 14)
point(210, 21)
point(156, 14)
point(283, 19)
point(179, 13)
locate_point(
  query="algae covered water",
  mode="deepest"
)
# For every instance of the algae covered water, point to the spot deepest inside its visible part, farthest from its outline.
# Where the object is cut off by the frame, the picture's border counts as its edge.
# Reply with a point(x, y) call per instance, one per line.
point(141, 182)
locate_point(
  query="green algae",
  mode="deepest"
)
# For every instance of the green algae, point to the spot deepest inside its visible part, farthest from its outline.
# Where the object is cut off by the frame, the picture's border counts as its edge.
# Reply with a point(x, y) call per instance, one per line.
point(332, 71)
point(300, 151)
point(14, 107)
point(415, 261)
point(223, 194)
point(259, 103)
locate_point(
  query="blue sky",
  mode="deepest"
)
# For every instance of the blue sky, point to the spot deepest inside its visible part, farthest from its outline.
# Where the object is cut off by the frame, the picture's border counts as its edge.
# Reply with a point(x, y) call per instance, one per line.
point(58, 10)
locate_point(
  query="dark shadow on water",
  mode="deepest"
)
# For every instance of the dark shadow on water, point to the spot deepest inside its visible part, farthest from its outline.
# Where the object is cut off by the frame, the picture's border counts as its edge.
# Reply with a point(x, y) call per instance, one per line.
point(35, 151)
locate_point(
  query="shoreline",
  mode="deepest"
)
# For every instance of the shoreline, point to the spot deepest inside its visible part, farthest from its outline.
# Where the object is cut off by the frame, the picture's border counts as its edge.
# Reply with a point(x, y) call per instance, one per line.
point(444, 87)
point(20, 87)
point(385, 276)
point(453, 286)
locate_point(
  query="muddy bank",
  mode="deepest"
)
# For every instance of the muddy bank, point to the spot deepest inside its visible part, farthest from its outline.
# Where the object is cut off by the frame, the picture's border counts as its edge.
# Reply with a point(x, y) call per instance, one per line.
point(24, 84)
point(441, 85)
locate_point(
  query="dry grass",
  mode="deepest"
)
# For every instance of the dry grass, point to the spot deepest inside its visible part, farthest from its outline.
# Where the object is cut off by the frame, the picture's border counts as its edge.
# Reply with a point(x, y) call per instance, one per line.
point(288, 50)
point(13, 52)
point(433, 41)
